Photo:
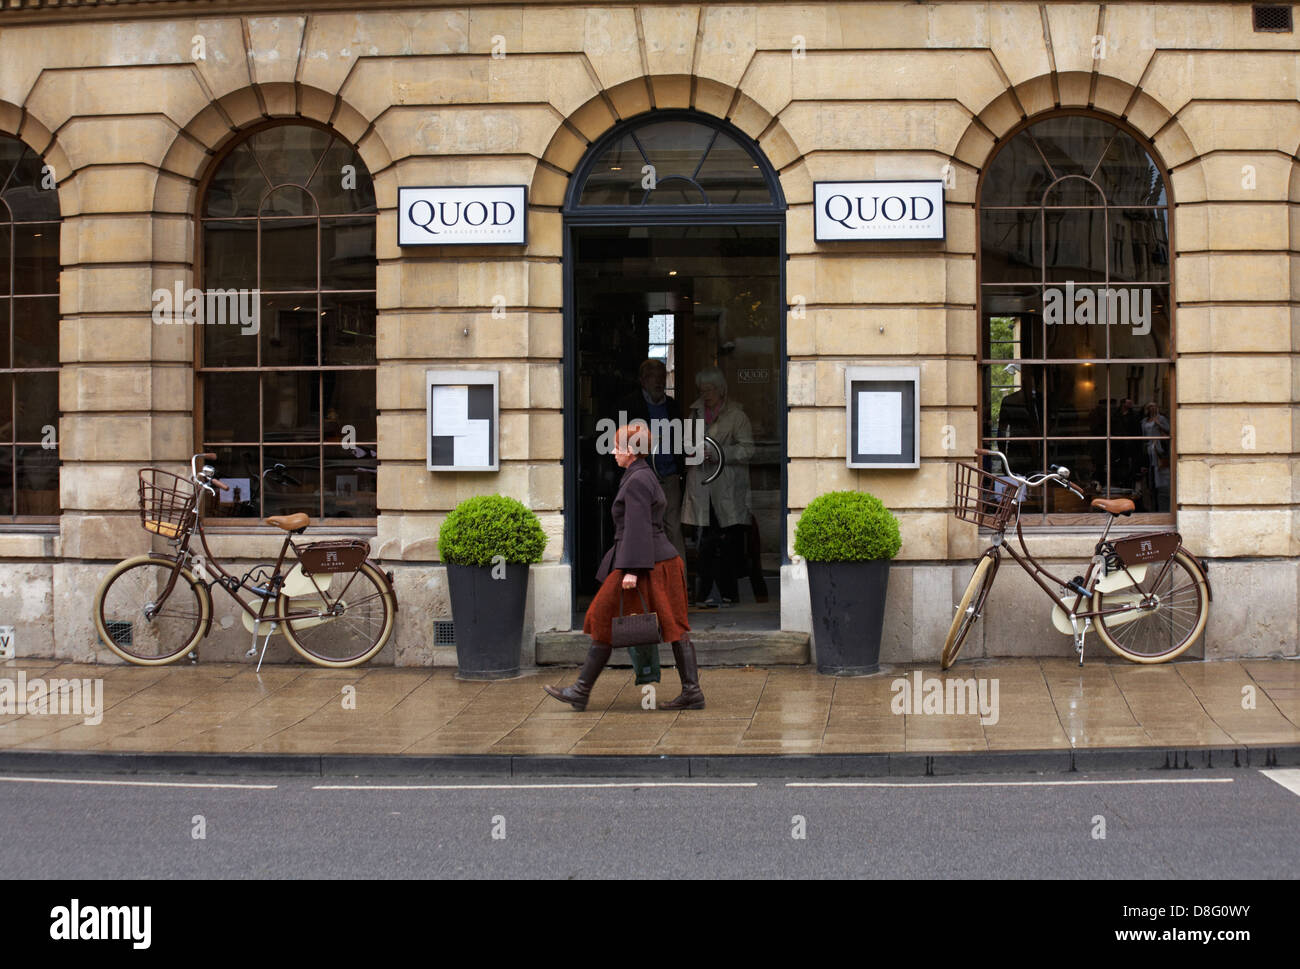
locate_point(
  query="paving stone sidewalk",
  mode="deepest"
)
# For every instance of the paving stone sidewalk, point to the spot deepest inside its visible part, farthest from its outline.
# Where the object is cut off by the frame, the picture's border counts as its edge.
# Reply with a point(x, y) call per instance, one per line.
point(1042, 704)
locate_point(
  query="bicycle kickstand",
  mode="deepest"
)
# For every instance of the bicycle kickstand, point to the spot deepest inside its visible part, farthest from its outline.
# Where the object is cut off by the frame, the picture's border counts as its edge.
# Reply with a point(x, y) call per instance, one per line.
point(1079, 635)
point(265, 642)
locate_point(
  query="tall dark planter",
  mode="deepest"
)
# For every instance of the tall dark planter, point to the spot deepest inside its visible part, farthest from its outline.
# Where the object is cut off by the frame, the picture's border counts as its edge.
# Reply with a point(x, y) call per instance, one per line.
point(488, 615)
point(848, 613)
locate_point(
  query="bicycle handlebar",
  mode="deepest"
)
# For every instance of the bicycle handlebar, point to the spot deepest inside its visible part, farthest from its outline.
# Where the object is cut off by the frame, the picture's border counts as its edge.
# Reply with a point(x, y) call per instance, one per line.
point(1070, 486)
point(1035, 480)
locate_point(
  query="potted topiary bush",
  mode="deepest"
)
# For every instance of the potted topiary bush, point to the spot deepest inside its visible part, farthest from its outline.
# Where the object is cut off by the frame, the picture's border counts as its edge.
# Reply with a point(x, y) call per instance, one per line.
point(487, 544)
point(847, 538)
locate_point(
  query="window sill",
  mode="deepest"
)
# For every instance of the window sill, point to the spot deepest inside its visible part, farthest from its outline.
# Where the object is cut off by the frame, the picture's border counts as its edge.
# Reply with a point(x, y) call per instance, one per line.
point(28, 541)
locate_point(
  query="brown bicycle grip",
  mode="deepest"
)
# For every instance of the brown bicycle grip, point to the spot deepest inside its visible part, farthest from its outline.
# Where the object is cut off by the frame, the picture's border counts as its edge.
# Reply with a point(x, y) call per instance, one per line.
point(220, 484)
point(983, 451)
point(208, 457)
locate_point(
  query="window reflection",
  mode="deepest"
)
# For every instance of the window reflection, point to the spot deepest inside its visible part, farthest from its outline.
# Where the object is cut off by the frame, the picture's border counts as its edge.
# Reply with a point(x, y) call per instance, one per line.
point(29, 335)
point(289, 406)
point(1075, 271)
point(675, 162)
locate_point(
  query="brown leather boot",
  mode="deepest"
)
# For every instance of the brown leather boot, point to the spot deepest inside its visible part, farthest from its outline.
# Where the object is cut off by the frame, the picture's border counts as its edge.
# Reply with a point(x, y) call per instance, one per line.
point(692, 697)
point(580, 692)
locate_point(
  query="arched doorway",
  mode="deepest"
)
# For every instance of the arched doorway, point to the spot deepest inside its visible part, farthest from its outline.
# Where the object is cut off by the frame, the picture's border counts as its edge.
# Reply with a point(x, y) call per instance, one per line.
point(675, 251)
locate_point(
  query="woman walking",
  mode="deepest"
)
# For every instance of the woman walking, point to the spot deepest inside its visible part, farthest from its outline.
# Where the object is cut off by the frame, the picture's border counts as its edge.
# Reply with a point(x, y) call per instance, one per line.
point(642, 559)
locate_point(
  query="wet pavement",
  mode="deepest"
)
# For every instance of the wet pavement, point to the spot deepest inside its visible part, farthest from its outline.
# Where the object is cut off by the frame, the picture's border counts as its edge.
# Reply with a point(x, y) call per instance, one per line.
point(1028, 704)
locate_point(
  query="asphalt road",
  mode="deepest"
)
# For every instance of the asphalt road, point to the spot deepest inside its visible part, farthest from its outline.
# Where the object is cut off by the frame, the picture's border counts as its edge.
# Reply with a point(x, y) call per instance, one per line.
point(1209, 824)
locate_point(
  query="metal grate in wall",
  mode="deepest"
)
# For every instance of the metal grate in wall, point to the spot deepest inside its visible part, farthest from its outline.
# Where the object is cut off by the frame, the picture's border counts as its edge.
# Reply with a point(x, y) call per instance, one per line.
point(1275, 18)
point(119, 630)
point(444, 632)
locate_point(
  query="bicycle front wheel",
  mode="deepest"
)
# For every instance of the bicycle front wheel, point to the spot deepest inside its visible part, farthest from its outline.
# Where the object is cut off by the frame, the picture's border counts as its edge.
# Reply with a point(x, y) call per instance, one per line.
point(346, 626)
point(133, 624)
point(969, 609)
point(1166, 630)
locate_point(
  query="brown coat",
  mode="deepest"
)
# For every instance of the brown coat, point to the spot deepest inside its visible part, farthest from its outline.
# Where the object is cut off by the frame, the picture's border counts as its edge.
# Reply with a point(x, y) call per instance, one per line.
point(638, 512)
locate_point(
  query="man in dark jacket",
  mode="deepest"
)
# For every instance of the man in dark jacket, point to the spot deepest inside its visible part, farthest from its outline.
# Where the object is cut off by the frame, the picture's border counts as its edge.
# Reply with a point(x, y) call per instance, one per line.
point(1021, 416)
point(651, 403)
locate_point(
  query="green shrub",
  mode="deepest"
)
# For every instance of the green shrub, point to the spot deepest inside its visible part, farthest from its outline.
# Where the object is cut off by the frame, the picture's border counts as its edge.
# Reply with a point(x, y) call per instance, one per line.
point(480, 528)
point(846, 526)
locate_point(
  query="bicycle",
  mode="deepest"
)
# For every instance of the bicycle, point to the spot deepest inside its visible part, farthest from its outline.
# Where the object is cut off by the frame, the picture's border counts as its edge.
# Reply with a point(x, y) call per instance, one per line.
point(1148, 595)
point(335, 606)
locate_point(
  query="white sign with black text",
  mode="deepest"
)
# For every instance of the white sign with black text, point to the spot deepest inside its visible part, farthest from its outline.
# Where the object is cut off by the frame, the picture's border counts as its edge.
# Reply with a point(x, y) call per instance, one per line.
point(481, 215)
point(869, 211)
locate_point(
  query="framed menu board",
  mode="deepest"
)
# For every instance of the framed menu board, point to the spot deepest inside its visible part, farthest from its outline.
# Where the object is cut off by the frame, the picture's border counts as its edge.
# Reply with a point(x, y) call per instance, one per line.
point(884, 417)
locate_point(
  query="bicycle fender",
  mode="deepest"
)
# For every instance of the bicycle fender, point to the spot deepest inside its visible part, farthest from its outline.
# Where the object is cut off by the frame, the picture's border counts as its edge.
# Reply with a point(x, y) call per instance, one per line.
point(388, 579)
point(1203, 568)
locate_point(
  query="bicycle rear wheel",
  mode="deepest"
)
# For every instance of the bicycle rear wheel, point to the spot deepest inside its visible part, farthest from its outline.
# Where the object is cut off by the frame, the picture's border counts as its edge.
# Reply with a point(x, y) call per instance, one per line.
point(1159, 634)
point(969, 609)
point(129, 593)
point(346, 626)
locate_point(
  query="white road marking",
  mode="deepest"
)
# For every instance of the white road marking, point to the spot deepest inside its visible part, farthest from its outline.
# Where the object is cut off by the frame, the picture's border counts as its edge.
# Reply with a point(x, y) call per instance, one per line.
point(1170, 780)
point(64, 780)
point(523, 787)
point(1288, 778)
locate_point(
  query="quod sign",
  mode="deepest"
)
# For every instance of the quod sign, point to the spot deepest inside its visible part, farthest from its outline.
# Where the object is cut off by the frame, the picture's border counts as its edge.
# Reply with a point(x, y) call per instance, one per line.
point(868, 211)
point(462, 216)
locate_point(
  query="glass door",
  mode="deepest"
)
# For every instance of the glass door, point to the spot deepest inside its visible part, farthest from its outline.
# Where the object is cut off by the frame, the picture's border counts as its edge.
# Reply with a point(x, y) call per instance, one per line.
point(704, 300)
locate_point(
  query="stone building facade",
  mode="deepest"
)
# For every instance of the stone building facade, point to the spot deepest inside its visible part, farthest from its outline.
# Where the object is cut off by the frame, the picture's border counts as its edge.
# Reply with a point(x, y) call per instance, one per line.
point(131, 106)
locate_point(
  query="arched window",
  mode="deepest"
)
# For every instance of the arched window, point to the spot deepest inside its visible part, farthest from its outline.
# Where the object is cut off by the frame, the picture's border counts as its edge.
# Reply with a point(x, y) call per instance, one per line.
point(287, 403)
point(1076, 359)
point(673, 158)
point(29, 335)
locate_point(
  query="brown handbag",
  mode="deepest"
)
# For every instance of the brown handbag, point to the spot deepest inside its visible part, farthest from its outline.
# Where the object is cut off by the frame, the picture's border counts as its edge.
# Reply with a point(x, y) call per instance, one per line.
point(638, 630)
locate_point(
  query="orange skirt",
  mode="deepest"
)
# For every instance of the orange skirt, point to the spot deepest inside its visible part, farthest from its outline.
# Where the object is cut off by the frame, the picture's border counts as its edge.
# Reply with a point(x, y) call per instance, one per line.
point(665, 593)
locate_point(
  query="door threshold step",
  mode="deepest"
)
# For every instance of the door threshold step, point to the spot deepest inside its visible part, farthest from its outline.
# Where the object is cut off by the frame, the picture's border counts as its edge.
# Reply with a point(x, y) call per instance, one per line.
point(713, 647)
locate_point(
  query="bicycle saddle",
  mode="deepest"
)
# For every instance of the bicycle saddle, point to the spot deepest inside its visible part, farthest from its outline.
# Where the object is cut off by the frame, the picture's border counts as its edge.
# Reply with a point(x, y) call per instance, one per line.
point(298, 522)
point(1116, 506)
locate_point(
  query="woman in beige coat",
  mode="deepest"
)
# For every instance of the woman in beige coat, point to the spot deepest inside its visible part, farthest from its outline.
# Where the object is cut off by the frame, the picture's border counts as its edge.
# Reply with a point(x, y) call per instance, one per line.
point(722, 506)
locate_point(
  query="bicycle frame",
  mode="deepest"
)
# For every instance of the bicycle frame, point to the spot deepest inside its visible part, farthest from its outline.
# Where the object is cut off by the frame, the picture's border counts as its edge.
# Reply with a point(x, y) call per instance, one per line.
point(227, 581)
point(1036, 571)
point(1082, 587)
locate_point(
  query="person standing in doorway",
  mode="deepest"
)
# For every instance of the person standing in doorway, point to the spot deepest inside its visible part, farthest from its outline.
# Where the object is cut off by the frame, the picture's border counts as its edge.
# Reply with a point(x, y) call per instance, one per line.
point(720, 507)
point(1156, 425)
point(642, 562)
point(653, 405)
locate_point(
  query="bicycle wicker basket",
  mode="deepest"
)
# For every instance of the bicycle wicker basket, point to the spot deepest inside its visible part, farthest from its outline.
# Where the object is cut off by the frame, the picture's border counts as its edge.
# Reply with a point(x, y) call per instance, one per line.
point(166, 502)
point(984, 498)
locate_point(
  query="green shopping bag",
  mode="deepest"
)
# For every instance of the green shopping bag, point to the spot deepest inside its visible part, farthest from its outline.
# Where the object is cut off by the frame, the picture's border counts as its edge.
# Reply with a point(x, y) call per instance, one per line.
point(645, 663)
